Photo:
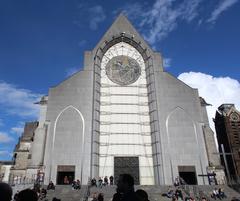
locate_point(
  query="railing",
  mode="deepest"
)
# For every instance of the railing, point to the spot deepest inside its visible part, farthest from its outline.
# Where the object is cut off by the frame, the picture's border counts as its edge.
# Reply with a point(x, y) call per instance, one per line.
point(21, 180)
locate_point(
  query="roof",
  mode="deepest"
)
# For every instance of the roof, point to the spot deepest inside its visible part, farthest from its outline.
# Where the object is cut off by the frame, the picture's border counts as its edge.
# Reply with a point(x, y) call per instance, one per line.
point(225, 108)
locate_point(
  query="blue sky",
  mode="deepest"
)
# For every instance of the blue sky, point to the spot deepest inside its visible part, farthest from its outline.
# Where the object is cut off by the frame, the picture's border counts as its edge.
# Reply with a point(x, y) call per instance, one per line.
point(42, 42)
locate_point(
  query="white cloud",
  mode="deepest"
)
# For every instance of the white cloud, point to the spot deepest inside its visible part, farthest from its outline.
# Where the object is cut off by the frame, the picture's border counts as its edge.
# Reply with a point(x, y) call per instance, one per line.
point(167, 62)
point(5, 153)
point(221, 7)
point(215, 90)
point(133, 10)
point(71, 71)
point(162, 17)
point(5, 138)
point(18, 101)
point(157, 20)
point(18, 129)
point(96, 15)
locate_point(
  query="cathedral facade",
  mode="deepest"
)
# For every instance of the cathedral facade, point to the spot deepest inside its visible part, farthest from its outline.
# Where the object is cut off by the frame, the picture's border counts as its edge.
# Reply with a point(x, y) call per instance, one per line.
point(122, 114)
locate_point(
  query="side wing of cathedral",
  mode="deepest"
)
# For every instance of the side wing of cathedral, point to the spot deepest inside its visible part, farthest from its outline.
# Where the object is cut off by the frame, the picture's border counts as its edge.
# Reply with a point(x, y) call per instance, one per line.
point(122, 114)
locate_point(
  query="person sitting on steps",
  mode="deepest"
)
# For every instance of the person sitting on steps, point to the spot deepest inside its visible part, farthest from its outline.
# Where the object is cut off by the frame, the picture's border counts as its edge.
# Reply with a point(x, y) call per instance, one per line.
point(51, 186)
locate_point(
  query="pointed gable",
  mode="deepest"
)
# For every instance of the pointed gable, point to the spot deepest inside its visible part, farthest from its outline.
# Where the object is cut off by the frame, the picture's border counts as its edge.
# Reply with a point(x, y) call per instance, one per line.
point(119, 26)
point(123, 27)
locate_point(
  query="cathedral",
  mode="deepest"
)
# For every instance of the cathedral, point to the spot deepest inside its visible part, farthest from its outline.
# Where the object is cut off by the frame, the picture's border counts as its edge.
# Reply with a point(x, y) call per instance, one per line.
point(122, 113)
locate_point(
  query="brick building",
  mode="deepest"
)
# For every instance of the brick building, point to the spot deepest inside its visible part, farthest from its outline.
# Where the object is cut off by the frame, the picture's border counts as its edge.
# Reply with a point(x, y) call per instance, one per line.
point(227, 124)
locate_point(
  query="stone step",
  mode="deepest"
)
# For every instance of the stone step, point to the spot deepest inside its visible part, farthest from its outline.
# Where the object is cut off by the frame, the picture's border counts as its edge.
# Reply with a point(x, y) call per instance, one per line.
point(155, 192)
point(65, 193)
point(206, 190)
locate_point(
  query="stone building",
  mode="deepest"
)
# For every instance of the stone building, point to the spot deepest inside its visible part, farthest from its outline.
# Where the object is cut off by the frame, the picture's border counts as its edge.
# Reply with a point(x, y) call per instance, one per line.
point(5, 167)
point(227, 124)
point(122, 113)
point(21, 153)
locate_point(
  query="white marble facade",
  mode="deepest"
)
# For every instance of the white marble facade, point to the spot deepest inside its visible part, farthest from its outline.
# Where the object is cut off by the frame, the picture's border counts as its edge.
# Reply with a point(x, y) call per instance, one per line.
point(87, 119)
point(124, 118)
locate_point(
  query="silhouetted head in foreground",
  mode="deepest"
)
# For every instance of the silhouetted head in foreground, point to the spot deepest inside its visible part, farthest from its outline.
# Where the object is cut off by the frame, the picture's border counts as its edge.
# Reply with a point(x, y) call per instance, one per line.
point(27, 195)
point(5, 192)
point(100, 197)
point(142, 195)
point(125, 183)
point(55, 199)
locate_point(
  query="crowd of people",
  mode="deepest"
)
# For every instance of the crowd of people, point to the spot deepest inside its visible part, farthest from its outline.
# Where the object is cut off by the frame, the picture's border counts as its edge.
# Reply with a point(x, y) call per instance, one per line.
point(174, 194)
point(35, 194)
point(40, 191)
point(124, 192)
point(102, 181)
point(218, 193)
point(178, 181)
point(51, 186)
point(24, 195)
point(97, 197)
point(76, 185)
point(177, 194)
